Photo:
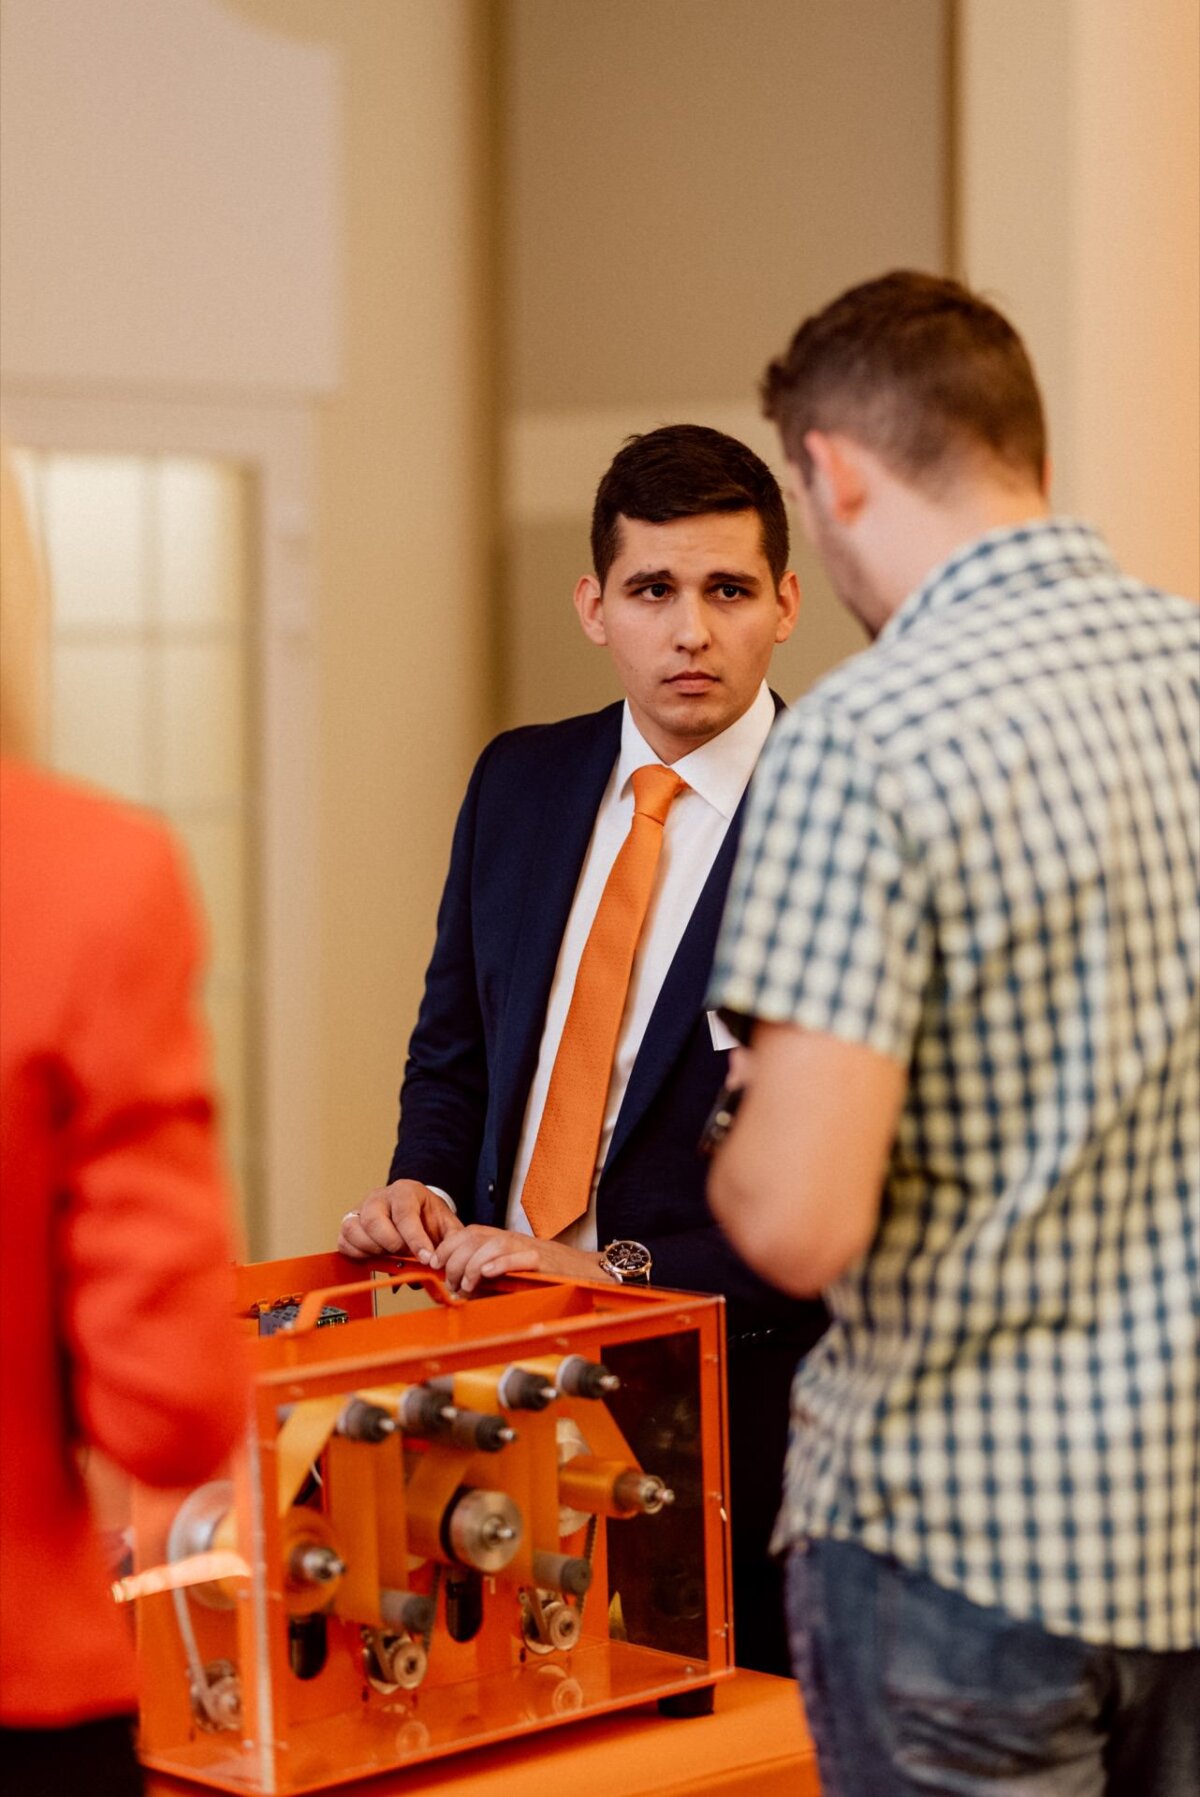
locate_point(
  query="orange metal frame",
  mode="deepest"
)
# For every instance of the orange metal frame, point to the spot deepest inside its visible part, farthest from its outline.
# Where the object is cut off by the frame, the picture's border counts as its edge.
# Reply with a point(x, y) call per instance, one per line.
point(381, 1506)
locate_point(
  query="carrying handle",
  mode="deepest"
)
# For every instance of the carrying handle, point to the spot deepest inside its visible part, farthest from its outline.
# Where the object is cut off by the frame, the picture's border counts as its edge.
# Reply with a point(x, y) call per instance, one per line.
point(313, 1303)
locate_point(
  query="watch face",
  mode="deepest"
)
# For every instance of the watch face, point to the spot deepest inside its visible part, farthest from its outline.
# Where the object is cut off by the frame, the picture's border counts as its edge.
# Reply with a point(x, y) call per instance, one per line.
point(628, 1260)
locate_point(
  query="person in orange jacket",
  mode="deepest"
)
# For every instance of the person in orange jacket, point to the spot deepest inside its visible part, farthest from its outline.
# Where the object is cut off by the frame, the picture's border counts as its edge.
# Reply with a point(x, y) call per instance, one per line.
point(116, 1287)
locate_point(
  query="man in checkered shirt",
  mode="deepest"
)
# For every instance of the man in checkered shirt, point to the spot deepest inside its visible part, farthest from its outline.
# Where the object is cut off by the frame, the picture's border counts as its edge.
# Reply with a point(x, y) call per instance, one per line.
point(964, 928)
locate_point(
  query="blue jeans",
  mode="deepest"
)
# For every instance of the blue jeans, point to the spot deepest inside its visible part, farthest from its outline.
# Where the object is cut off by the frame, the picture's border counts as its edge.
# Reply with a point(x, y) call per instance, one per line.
point(909, 1688)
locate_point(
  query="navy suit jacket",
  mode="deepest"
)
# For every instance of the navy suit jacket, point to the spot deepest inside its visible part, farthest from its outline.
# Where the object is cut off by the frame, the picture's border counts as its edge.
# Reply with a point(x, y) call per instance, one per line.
point(519, 846)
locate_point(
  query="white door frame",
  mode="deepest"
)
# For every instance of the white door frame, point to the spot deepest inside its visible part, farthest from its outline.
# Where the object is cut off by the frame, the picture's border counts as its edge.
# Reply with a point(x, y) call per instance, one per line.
point(274, 441)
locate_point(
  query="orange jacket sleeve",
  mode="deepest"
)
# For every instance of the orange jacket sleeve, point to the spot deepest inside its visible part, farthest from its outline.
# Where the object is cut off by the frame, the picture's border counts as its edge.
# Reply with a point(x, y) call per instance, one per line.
point(143, 1240)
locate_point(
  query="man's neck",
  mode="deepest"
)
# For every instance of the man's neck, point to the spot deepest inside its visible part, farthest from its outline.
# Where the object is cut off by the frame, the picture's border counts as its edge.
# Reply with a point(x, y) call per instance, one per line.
point(915, 533)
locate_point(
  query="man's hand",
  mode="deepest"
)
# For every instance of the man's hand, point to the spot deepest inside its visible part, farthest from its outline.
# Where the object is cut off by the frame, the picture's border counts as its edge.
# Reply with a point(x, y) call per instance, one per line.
point(476, 1252)
point(403, 1218)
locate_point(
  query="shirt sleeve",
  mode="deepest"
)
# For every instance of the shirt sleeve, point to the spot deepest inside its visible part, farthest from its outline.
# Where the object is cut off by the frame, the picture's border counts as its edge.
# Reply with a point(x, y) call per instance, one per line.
point(829, 923)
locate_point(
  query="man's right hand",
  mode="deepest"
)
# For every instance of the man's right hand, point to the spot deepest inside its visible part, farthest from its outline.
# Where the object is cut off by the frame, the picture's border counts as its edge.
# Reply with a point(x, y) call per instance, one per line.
point(403, 1218)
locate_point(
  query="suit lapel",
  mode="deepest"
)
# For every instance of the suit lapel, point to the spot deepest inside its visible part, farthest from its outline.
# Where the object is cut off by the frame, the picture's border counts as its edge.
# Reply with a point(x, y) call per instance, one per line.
point(556, 848)
point(681, 999)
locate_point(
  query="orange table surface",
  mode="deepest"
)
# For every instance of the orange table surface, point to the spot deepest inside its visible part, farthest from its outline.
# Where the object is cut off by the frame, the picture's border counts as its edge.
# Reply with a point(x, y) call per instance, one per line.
point(754, 1744)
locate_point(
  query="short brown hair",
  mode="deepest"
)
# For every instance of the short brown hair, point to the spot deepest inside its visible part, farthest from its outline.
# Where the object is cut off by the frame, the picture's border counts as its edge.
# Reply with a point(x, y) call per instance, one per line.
point(918, 369)
point(684, 471)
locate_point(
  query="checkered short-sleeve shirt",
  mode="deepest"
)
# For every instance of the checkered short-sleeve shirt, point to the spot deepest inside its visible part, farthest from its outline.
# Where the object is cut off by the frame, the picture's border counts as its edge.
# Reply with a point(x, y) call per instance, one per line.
point(976, 848)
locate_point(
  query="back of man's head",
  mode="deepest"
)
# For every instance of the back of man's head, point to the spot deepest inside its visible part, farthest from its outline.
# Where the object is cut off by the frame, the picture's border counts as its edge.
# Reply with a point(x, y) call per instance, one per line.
point(922, 372)
point(686, 471)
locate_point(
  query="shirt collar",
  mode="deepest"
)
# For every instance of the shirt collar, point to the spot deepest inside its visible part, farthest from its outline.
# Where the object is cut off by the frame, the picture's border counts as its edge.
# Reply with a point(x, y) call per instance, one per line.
point(720, 769)
point(1010, 553)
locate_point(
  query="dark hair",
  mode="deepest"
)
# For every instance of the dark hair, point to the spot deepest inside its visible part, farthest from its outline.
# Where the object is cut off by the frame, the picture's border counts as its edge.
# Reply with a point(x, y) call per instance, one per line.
point(918, 369)
point(683, 471)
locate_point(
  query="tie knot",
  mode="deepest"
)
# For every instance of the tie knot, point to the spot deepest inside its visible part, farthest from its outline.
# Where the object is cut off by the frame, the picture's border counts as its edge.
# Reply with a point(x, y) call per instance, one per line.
point(654, 788)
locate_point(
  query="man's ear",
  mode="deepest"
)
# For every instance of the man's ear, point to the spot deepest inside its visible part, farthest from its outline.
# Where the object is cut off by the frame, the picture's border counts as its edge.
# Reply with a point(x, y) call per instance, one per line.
point(788, 600)
point(589, 604)
point(840, 474)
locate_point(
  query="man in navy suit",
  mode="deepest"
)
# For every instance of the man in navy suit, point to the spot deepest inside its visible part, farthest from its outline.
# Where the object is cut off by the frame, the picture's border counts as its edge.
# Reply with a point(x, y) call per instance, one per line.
point(690, 594)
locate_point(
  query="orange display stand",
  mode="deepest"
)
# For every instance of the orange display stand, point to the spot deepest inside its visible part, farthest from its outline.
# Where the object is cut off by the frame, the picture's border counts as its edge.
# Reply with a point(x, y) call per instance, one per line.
point(755, 1744)
point(447, 1529)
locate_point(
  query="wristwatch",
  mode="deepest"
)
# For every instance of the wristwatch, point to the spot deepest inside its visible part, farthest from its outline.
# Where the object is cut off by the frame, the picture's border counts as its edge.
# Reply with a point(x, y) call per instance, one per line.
point(628, 1263)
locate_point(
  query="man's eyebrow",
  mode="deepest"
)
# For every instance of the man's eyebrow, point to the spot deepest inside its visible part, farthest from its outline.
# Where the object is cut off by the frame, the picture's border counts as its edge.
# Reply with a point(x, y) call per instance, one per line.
point(721, 577)
point(643, 577)
point(717, 577)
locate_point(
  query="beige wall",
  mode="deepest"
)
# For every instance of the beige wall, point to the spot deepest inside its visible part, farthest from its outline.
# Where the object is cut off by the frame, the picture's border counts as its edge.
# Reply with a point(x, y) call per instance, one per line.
point(404, 595)
point(682, 181)
point(1080, 210)
point(169, 189)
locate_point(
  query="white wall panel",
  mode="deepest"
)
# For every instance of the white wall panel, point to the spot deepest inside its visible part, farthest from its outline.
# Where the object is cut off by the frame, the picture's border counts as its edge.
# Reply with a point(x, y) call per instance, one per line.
point(169, 198)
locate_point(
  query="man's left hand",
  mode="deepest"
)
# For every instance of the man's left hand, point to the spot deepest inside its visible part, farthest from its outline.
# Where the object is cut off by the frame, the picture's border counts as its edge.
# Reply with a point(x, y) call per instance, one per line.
point(477, 1253)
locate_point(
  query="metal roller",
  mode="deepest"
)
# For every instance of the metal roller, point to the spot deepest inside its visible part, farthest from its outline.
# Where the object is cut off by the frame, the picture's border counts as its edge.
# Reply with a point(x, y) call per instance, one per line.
point(481, 1529)
point(202, 1524)
point(611, 1488)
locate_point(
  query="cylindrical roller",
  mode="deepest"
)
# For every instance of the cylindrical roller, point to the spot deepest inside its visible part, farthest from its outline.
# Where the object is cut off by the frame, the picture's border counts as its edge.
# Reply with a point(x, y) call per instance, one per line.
point(562, 1572)
point(475, 1429)
point(481, 1529)
point(361, 1421)
point(427, 1410)
point(423, 1411)
point(204, 1522)
point(520, 1389)
point(408, 1610)
point(313, 1563)
point(573, 1376)
point(197, 1519)
point(580, 1378)
point(610, 1487)
point(489, 1388)
point(638, 1491)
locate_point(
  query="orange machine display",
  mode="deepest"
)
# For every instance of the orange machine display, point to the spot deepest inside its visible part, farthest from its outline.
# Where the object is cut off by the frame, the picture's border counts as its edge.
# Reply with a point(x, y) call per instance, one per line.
point(448, 1526)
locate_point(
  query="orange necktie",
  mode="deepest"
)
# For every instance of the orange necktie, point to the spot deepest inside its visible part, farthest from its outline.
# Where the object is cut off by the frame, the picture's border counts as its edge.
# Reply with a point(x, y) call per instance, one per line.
point(559, 1182)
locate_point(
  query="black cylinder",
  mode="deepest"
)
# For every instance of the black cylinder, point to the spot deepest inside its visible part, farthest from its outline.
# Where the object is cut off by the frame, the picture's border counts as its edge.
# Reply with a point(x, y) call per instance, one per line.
point(410, 1610)
point(562, 1572)
point(475, 1429)
point(522, 1390)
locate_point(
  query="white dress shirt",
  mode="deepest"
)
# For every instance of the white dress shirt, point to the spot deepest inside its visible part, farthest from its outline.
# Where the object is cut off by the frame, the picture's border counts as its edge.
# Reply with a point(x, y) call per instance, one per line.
point(717, 775)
